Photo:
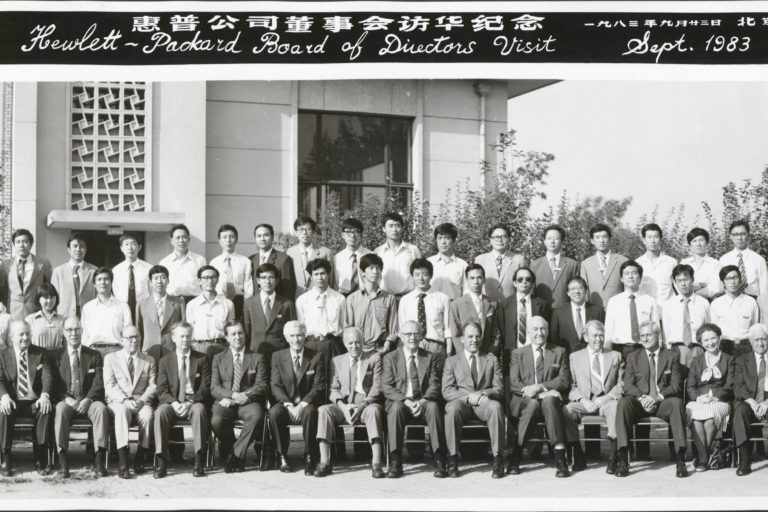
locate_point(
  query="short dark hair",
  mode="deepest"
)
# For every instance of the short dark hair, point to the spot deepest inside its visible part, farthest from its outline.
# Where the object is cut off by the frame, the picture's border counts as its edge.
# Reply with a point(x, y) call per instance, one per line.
point(103, 270)
point(266, 226)
point(233, 323)
point(474, 266)
point(631, 263)
point(598, 228)
point(652, 227)
point(23, 232)
point(207, 267)
point(227, 227)
point(352, 223)
point(46, 290)
point(447, 229)
point(727, 270)
point(422, 263)
point(682, 269)
point(553, 227)
point(128, 236)
point(471, 323)
point(317, 263)
point(158, 269)
point(533, 274)
point(495, 227)
point(370, 259)
point(303, 219)
point(392, 216)
point(267, 267)
point(578, 279)
point(176, 227)
point(697, 232)
point(737, 223)
point(706, 328)
point(75, 235)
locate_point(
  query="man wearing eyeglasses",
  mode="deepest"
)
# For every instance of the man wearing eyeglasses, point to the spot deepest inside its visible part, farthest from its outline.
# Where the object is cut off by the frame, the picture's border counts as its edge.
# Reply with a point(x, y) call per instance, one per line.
point(265, 237)
point(516, 310)
point(752, 266)
point(500, 264)
point(305, 251)
point(208, 313)
point(734, 313)
point(346, 262)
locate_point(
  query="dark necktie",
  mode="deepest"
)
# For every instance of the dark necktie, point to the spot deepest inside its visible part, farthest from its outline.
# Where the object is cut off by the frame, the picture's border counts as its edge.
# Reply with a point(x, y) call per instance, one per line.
point(522, 317)
point(238, 374)
point(597, 385)
point(654, 388)
point(296, 370)
point(473, 369)
point(20, 272)
point(354, 283)
point(499, 260)
point(539, 366)
point(422, 309)
point(742, 272)
point(183, 380)
point(352, 380)
point(633, 320)
point(131, 291)
point(23, 387)
point(761, 380)
point(130, 367)
point(414, 376)
point(579, 323)
point(76, 280)
point(77, 385)
point(687, 337)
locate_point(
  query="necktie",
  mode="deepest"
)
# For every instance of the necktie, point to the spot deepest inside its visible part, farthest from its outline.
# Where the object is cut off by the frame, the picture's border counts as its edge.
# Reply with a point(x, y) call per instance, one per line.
point(654, 389)
point(238, 374)
point(263, 258)
point(761, 380)
point(76, 384)
point(499, 260)
point(687, 337)
point(267, 309)
point(183, 380)
point(601, 259)
point(160, 311)
point(76, 280)
point(296, 365)
point(352, 380)
point(20, 272)
point(522, 318)
point(414, 376)
point(597, 384)
point(579, 323)
point(473, 369)
point(422, 311)
point(354, 281)
point(23, 384)
point(742, 271)
point(229, 279)
point(322, 306)
point(304, 262)
point(633, 320)
point(130, 367)
point(479, 308)
point(539, 366)
point(131, 290)
point(553, 268)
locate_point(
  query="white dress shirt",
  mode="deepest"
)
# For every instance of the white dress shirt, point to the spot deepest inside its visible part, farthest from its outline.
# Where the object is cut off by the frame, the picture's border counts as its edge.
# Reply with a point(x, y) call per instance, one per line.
point(618, 325)
point(657, 277)
point(396, 275)
point(209, 317)
point(754, 266)
point(437, 306)
point(121, 279)
point(448, 274)
point(591, 353)
point(103, 322)
point(358, 376)
point(182, 270)
point(408, 385)
point(241, 273)
point(672, 316)
point(342, 268)
point(320, 321)
point(581, 313)
point(734, 315)
point(705, 270)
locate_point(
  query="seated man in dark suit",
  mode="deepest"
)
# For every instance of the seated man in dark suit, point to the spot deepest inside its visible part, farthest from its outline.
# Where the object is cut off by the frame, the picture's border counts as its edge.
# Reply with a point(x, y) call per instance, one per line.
point(297, 387)
point(472, 388)
point(652, 387)
point(239, 385)
point(751, 394)
point(538, 379)
point(81, 393)
point(184, 391)
point(411, 384)
point(266, 313)
point(569, 320)
point(156, 313)
point(26, 382)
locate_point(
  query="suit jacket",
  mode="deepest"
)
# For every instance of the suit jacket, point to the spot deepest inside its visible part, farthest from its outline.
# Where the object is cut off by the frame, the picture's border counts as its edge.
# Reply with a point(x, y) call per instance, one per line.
point(168, 378)
point(745, 377)
point(762, 305)
point(600, 290)
point(508, 318)
point(721, 388)
point(118, 384)
point(91, 374)
point(286, 287)
point(341, 387)
point(253, 378)
point(308, 386)
point(562, 330)
point(463, 311)
point(301, 275)
point(148, 323)
point(522, 371)
point(638, 372)
point(554, 290)
point(270, 330)
point(457, 377)
point(22, 303)
point(39, 373)
point(581, 375)
point(394, 376)
point(499, 286)
point(61, 279)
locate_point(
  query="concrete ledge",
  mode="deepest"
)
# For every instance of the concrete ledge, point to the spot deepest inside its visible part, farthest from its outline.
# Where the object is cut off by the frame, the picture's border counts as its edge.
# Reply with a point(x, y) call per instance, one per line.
point(130, 221)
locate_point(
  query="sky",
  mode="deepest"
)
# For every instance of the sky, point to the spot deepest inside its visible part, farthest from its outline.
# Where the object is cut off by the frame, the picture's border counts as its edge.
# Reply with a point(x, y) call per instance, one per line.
point(661, 143)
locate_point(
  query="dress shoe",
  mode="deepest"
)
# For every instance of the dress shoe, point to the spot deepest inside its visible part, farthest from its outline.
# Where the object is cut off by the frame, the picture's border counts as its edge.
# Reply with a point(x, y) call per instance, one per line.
point(138, 461)
point(5, 469)
point(285, 466)
point(440, 469)
point(160, 469)
point(453, 466)
point(622, 468)
point(323, 469)
point(562, 464)
point(498, 467)
point(395, 465)
point(611, 467)
point(309, 465)
point(613, 457)
point(681, 470)
point(268, 460)
point(198, 469)
point(100, 468)
point(41, 468)
point(744, 469)
point(513, 467)
point(63, 465)
point(124, 473)
point(579, 459)
point(377, 471)
point(234, 464)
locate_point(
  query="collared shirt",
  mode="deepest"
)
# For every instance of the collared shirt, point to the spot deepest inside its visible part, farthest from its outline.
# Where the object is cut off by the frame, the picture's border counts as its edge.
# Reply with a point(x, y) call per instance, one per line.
point(591, 353)
point(408, 385)
point(469, 355)
point(536, 356)
point(318, 319)
point(71, 353)
point(342, 268)
point(618, 325)
point(581, 313)
point(359, 376)
point(396, 275)
point(437, 306)
point(121, 279)
point(182, 279)
point(104, 321)
point(656, 366)
point(264, 297)
point(672, 316)
point(264, 255)
point(189, 390)
point(48, 334)
point(448, 274)
point(754, 266)
point(757, 365)
point(209, 317)
point(293, 357)
point(735, 315)
point(549, 257)
point(527, 298)
point(374, 313)
point(241, 273)
point(705, 270)
point(29, 267)
point(657, 277)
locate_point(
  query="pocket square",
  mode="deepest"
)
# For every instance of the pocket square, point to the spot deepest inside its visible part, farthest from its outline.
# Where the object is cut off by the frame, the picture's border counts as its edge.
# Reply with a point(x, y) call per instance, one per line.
point(279, 316)
point(310, 372)
point(92, 370)
point(555, 365)
point(197, 375)
point(667, 371)
point(40, 367)
point(251, 371)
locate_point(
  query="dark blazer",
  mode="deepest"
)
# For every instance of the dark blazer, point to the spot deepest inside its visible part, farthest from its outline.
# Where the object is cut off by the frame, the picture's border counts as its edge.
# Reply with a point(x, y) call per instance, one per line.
point(394, 375)
point(745, 377)
point(22, 303)
point(557, 374)
point(457, 377)
point(562, 330)
point(253, 379)
point(554, 290)
point(722, 388)
point(91, 374)
point(286, 287)
point(463, 311)
point(308, 386)
point(259, 329)
point(152, 333)
point(39, 372)
point(168, 378)
point(638, 372)
point(508, 318)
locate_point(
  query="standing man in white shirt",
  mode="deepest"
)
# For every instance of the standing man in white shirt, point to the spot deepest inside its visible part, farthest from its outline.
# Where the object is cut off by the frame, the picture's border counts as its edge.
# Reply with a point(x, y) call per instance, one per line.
point(705, 278)
point(74, 279)
point(304, 252)
point(235, 271)
point(397, 256)
point(683, 314)
point(182, 264)
point(346, 262)
point(208, 313)
point(448, 276)
point(734, 313)
point(105, 316)
point(752, 267)
point(657, 267)
point(265, 237)
point(131, 281)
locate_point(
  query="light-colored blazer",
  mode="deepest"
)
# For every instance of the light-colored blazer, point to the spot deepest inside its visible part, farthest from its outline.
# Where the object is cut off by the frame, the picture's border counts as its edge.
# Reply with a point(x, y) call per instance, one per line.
point(581, 376)
point(148, 323)
point(500, 286)
point(20, 303)
point(554, 290)
point(302, 277)
point(117, 381)
point(370, 370)
point(600, 290)
point(457, 377)
point(65, 285)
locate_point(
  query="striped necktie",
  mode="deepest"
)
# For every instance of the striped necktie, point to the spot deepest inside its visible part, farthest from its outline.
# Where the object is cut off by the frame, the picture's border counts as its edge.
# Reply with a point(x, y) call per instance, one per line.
point(238, 374)
point(23, 384)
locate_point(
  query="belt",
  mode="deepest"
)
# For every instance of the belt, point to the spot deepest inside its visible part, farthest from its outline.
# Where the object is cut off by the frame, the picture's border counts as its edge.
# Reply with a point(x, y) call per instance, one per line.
point(218, 341)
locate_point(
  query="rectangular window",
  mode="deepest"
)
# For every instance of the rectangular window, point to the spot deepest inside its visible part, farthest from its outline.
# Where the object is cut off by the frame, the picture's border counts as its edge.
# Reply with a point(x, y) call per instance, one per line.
point(352, 155)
